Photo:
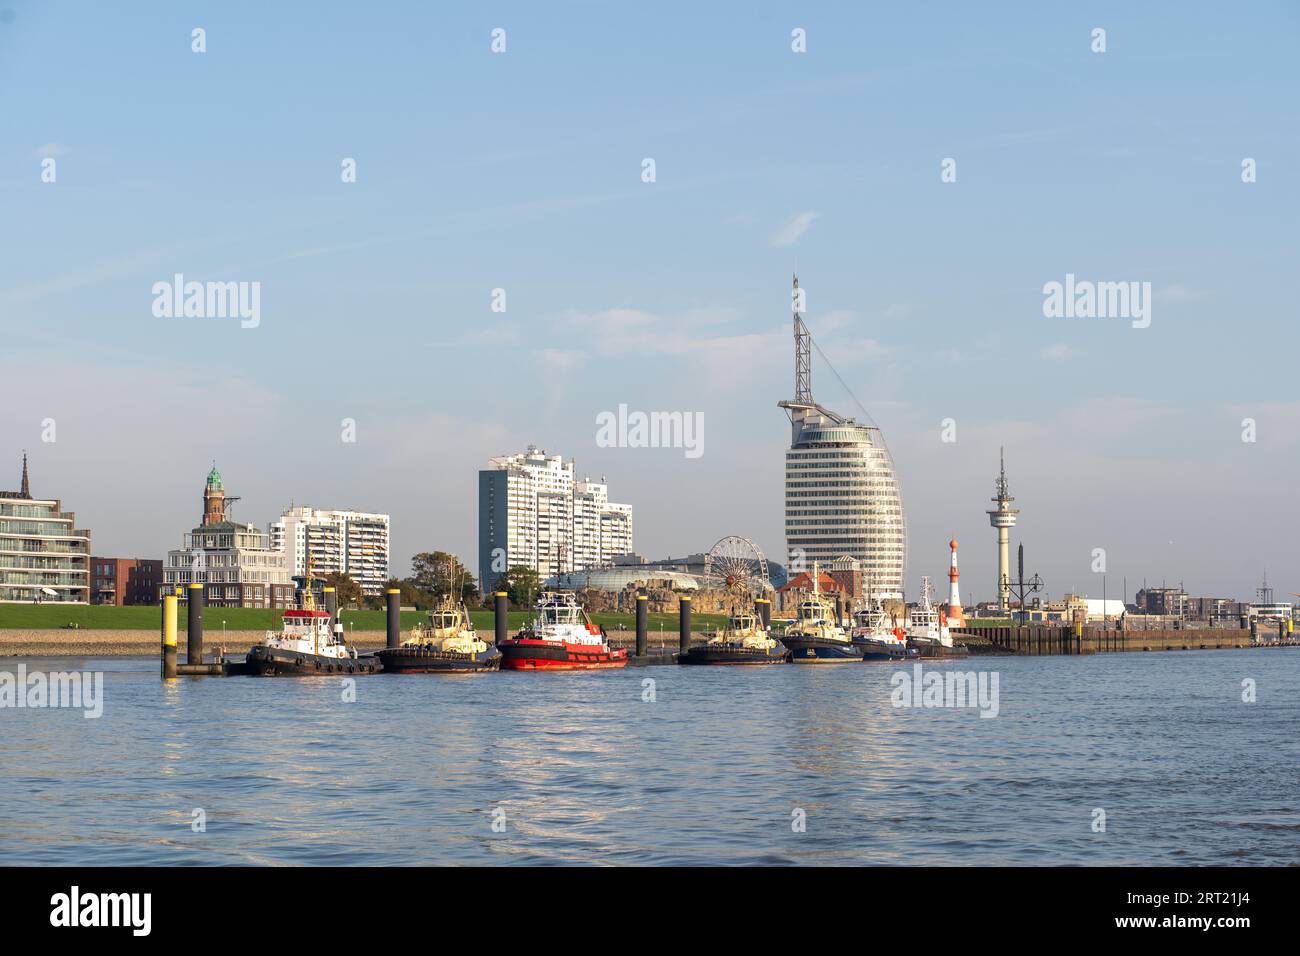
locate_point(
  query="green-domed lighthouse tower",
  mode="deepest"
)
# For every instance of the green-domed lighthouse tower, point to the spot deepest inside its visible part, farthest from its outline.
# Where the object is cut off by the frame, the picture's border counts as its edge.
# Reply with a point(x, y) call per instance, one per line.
point(214, 499)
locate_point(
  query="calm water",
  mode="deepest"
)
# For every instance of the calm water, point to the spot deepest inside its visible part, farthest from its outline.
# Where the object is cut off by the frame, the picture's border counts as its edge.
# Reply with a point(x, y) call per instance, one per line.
point(586, 772)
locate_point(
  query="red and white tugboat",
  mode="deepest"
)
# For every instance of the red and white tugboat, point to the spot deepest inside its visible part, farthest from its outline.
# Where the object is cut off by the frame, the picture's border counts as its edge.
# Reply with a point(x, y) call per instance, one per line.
point(560, 636)
point(304, 647)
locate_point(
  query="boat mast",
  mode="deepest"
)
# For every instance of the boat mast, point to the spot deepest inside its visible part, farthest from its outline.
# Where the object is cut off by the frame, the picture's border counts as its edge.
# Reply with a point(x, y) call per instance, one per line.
point(309, 601)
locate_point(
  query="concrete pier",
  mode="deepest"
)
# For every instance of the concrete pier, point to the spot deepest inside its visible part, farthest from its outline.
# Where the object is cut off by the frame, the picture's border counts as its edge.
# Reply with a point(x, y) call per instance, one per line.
point(194, 665)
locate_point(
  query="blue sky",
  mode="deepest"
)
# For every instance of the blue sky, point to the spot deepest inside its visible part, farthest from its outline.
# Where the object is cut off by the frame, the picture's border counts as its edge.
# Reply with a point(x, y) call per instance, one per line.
point(522, 171)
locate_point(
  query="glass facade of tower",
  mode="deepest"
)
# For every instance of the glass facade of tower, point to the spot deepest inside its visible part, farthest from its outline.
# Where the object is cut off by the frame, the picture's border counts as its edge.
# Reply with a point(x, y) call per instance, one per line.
point(842, 498)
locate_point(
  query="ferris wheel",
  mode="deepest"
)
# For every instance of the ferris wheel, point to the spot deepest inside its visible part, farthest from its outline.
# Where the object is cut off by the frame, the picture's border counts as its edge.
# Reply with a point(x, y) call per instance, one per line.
point(736, 564)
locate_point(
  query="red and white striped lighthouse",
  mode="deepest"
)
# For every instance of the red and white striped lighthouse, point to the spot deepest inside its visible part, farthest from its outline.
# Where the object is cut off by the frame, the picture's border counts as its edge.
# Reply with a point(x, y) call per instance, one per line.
point(955, 615)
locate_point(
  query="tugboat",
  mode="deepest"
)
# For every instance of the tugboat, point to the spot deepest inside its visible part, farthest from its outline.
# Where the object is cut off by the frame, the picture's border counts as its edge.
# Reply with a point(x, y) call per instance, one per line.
point(448, 644)
point(816, 637)
point(927, 626)
point(879, 641)
point(560, 636)
point(304, 646)
point(743, 641)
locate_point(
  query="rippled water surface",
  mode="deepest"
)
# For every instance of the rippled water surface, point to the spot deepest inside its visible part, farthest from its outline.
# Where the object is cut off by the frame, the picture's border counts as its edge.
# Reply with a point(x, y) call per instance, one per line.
point(710, 771)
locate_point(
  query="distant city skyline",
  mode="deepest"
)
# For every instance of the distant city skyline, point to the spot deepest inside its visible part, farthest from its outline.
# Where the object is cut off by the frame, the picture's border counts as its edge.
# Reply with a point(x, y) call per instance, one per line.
point(522, 172)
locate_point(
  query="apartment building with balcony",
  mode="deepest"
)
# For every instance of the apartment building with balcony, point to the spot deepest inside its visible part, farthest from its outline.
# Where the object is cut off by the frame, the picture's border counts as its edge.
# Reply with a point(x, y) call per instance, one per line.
point(354, 543)
point(44, 556)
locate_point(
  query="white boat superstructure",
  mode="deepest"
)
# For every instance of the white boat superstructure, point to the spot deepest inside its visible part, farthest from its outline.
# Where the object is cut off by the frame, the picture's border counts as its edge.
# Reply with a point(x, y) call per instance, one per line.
point(559, 617)
point(925, 623)
point(815, 616)
point(449, 629)
point(307, 631)
point(873, 625)
point(744, 630)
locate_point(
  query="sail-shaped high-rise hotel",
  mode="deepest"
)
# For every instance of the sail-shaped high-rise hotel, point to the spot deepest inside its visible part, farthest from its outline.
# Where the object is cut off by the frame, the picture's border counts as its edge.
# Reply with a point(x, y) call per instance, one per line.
point(841, 494)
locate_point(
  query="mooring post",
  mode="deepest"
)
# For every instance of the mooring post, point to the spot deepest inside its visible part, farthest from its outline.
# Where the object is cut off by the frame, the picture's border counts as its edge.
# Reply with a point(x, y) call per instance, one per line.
point(684, 624)
point(642, 602)
point(169, 637)
point(394, 617)
point(765, 612)
point(501, 615)
point(194, 626)
point(332, 606)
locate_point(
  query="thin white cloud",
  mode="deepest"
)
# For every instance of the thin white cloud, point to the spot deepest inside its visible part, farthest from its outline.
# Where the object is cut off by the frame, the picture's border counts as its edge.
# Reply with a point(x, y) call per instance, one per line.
point(562, 360)
point(1056, 352)
point(1180, 293)
point(794, 230)
point(50, 151)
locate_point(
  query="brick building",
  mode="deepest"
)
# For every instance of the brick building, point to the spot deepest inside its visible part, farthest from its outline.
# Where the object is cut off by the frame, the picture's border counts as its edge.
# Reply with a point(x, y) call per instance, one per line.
point(122, 581)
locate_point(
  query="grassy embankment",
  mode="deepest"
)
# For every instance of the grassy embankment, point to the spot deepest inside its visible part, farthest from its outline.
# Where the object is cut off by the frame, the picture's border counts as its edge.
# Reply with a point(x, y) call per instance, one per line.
point(87, 617)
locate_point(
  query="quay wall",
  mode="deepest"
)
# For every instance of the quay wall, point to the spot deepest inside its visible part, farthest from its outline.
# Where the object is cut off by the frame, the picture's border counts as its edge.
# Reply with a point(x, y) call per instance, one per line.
point(1038, 639)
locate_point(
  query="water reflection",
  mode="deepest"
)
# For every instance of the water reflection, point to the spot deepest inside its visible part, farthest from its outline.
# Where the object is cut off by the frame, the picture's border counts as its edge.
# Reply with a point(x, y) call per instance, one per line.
point(585, 770)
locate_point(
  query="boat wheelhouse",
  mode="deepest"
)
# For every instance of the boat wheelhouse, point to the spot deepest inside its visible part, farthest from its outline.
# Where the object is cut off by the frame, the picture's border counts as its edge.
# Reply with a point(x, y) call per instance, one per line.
point(448, 643)
point(874, 631)
point(560, 636)
point(744, 640)
point(309, 643)
point(927, 626)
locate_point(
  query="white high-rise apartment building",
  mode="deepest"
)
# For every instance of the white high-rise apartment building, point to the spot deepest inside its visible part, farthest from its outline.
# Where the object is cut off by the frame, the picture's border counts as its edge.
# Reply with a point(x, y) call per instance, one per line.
point(354, 543)
point(601, 528)
point(615, 532)
point(533, 513)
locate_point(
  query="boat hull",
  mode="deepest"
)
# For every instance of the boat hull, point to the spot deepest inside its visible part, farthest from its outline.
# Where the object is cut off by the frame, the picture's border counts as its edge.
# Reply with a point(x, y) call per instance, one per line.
point(428, 660)
point(806, 650)
point(263, 661)
point(532, 655)
point(733, 654)
point(877, 651)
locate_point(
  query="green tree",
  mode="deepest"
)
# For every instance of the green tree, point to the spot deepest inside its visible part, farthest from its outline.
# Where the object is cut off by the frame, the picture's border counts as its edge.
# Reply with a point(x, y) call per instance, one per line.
point(440, 572)
point(410, 596)
point(521, 584)
point(349, 593)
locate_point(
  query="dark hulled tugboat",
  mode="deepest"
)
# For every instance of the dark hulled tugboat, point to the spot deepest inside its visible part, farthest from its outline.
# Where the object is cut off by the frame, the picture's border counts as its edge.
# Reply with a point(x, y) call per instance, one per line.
point(816, 637)
point(560, 636)
point(304, 646)
point(743, 641)
point(448, 644)
point(879, 642)
point(875, 631)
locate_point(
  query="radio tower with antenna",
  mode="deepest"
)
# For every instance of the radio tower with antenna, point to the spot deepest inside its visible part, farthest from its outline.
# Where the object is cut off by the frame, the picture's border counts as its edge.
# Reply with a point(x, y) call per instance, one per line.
point(1003, 517)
